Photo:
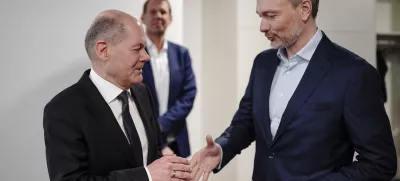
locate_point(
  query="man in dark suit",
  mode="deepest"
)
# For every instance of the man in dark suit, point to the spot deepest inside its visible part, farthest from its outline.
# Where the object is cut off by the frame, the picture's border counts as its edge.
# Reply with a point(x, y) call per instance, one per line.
point(170, 78)
point(103, 128)
point(309, 106)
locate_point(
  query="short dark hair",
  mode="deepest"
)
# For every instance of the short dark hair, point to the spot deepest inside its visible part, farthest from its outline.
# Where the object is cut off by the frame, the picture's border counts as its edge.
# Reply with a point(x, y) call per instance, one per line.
point(147, 2)
point(110, 29)
point(314, 3)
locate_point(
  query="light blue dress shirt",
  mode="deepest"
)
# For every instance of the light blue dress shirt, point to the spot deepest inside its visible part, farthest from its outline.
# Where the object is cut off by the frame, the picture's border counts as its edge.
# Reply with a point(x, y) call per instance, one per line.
point(287, 77)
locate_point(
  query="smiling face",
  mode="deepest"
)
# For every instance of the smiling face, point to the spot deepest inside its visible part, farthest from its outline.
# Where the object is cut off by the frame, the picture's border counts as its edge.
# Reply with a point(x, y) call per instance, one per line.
point(281, 22)
point(157, 17)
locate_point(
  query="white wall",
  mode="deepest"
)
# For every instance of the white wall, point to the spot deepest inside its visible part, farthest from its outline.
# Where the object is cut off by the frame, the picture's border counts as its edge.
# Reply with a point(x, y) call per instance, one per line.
point(250, 42)
point(383, 16)
point(192, 38)
point(42, 53)
point(353, 28)
point(219, 71)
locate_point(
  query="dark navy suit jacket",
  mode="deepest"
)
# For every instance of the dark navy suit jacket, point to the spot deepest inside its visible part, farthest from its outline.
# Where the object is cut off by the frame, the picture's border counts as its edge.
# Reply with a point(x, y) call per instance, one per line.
point(182, 92)
point(336, 109)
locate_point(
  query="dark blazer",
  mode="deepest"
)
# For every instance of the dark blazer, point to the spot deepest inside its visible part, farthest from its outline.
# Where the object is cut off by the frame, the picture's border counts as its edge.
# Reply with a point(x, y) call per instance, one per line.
point(84, 141)
point(182, 92)
point(336, 109)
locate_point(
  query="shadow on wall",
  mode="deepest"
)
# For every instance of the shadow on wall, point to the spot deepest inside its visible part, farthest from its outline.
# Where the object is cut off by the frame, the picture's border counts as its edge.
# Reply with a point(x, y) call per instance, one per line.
point(21, 133)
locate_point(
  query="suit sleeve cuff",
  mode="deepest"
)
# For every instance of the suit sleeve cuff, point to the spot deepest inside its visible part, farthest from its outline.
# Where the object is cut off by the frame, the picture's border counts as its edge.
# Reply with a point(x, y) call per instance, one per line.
point(164, 145)
point(164, 124)
point(222, 156)
point(148, 173)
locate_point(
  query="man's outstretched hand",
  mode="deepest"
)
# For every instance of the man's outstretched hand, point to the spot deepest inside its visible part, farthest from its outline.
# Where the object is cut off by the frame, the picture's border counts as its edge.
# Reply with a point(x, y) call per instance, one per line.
point(206, 160)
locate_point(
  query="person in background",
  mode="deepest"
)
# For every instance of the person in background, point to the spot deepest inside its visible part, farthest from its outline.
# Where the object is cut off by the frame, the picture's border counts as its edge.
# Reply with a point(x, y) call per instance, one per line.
point(170, 77)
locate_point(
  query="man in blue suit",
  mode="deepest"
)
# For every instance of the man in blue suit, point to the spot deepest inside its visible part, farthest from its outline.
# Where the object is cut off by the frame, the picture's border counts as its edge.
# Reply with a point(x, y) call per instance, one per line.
point(309, 106)
point(170, 77)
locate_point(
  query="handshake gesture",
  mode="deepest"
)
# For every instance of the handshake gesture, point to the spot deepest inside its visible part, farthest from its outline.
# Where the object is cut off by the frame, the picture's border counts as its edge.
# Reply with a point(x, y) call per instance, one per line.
point(172, 168)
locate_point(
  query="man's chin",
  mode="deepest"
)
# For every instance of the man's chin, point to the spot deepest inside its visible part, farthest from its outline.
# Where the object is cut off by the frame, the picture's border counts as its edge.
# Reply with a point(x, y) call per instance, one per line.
point(276, 45)
point(158, 32)
point(138, 80)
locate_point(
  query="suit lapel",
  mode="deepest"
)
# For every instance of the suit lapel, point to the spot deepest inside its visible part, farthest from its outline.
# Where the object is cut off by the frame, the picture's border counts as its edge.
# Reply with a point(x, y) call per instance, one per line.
point(148, 79)
point(104, 116)
point(316, 70)
point(173, 66)
point(268, 73)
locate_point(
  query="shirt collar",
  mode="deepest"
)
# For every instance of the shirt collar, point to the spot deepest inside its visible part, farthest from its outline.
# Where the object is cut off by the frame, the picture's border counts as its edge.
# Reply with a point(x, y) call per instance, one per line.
point(108, 90)
point(150, 45)
point(307, 51)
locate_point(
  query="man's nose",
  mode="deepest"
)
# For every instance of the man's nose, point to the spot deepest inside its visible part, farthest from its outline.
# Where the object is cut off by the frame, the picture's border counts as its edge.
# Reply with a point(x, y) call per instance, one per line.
point(145, 57)
point(158, 14)
point(265, 26)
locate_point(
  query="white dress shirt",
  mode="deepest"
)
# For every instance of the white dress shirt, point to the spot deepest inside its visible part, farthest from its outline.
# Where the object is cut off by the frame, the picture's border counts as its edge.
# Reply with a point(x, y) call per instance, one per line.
point(160, 66)
point(287, 77)
point(110, 92)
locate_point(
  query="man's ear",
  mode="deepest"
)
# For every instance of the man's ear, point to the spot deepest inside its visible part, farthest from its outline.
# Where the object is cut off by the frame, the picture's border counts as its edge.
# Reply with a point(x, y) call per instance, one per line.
point(102, 50)
point(306, 9)
point(170, 18)
point(142, 18)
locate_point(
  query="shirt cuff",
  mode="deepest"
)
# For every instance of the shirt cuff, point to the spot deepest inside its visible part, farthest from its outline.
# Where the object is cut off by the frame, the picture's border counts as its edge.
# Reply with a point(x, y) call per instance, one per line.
point(222, 155)
point(148, 173)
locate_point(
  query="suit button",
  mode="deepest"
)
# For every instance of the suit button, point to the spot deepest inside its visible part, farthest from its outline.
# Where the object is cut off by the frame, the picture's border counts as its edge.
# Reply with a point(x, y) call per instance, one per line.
point(272, 155)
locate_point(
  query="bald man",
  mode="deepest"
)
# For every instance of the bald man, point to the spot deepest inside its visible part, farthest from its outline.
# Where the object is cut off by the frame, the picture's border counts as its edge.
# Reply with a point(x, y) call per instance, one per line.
point(103, 128)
